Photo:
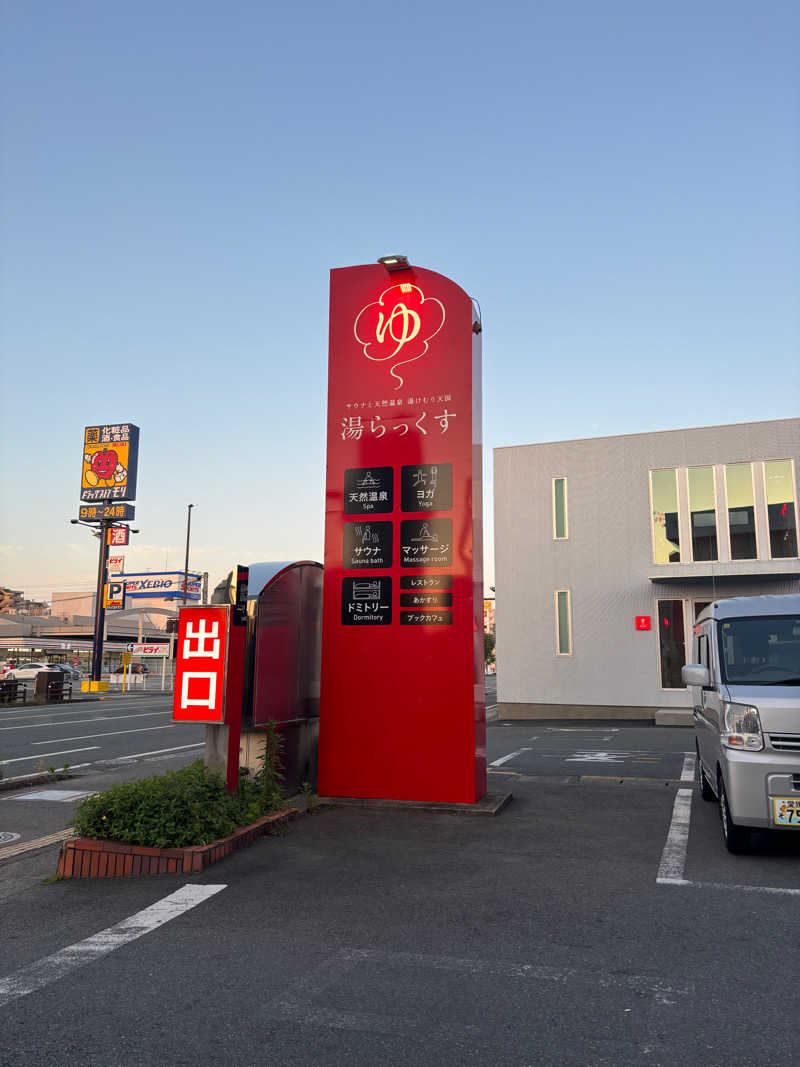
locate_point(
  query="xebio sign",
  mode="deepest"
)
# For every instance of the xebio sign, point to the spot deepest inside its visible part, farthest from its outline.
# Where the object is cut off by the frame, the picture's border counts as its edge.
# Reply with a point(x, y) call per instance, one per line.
point(402, 699)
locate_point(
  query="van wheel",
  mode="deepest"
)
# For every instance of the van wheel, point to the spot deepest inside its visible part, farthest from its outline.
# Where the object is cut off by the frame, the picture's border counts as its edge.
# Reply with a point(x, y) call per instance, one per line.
point(737, 838)
point(706, 792)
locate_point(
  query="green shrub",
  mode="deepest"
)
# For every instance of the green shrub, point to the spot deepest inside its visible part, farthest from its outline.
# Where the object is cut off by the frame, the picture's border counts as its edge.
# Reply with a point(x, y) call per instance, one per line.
point(173, 810)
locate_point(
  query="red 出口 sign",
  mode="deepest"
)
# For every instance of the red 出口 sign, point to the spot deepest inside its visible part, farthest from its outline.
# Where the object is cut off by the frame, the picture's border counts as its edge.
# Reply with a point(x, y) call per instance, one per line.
point(209, 675)
point(402, 710)
point(200, 661)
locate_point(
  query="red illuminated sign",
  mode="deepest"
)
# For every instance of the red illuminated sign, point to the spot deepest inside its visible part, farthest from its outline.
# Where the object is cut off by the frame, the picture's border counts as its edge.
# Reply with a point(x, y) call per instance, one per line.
point(642, 622)
point(398, 327)
point(201, 655)
point(402, 704)
point(118, 535)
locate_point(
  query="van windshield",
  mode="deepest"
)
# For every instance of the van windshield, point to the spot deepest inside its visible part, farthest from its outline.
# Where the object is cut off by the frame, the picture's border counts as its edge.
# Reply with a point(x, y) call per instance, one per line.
point(760, 650)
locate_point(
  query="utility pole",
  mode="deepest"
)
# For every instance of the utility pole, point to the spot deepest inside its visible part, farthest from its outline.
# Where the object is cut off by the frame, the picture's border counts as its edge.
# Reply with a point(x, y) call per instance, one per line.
point(186, 566)
point(99, 605)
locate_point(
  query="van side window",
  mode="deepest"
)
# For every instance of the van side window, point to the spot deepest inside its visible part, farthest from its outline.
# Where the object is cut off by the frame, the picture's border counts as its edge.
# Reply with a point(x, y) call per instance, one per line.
point(702, 650)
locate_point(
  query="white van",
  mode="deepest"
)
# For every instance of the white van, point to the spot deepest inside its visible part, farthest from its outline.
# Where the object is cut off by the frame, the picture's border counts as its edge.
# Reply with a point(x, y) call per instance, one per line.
point(745, 684)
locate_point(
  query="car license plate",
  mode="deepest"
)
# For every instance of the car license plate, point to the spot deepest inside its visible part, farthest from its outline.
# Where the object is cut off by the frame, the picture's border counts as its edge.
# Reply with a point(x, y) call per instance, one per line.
point(786, 811)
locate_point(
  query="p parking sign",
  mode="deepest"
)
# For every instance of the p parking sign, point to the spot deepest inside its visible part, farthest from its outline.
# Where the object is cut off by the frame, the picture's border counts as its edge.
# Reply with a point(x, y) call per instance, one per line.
point(114, 597)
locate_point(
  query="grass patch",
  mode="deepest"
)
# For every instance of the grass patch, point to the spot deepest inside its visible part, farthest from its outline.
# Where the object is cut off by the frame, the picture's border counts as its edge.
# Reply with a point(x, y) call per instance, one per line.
point(173, 810)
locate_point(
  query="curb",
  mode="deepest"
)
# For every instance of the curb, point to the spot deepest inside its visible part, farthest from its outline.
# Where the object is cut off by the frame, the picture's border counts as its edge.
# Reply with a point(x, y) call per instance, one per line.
point(84, 857)
point(490, 804)
point(674, 717)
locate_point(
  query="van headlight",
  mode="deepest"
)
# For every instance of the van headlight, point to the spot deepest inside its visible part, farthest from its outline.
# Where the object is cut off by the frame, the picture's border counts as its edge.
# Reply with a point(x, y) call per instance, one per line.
point(741, 727)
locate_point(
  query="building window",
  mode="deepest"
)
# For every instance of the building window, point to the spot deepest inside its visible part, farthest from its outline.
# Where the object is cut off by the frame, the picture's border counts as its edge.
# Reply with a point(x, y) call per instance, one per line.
point(671, 643)
point(741, 510)
point(664, 500)
point(703, 513)
point(781, 509)
point(563, 623)
point(560, 509)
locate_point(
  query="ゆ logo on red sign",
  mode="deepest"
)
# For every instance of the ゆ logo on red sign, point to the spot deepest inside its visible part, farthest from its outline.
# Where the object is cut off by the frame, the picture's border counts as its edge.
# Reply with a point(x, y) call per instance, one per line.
point(397, 327)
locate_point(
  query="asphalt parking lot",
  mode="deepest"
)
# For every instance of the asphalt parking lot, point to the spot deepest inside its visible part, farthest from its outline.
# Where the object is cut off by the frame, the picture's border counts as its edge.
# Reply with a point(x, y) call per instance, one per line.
point(580, 926)
point(642, 757)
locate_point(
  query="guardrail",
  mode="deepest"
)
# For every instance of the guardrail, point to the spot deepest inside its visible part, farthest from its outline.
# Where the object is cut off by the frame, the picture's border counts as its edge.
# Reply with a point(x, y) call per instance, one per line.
point(46, 688)
point(12, 691)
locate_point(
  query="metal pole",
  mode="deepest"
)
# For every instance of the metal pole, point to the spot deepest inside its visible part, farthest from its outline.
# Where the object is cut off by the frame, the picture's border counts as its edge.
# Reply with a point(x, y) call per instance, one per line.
point(186, 565)
point(99, 607)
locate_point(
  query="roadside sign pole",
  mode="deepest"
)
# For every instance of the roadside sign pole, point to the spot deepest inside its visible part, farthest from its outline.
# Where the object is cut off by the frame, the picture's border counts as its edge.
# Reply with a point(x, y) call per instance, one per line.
point(171, 660)
point(99, 607)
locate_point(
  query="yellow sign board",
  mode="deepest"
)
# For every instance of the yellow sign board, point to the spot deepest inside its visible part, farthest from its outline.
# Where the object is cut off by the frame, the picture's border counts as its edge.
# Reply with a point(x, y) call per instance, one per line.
point(110, 460)
point(126, 659)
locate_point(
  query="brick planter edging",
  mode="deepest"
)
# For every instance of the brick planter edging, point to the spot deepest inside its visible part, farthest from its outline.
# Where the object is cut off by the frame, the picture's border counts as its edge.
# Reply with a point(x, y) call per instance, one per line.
point(84, 857)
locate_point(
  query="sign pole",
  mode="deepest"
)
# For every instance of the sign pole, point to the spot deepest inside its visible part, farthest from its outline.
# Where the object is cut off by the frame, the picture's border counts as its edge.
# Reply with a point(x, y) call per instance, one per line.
point(99, 607)
point(186, 565)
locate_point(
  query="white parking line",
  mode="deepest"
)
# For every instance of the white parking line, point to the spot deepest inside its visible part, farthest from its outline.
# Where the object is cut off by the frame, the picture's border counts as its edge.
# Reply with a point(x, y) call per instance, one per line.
point(511, 755)
point(102, 762)
point(673, 858)
point(583, 729)
point(156, 752)
point(112, 733)
point(78, 722)
point(53, 712)
point(688, 769)
point(40, 755)
point(776, 890)
point(51, 968)
point(296, 1003)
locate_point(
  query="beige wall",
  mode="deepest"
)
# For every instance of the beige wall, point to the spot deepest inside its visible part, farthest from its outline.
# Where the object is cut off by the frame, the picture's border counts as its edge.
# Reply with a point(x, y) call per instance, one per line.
point(607, 561)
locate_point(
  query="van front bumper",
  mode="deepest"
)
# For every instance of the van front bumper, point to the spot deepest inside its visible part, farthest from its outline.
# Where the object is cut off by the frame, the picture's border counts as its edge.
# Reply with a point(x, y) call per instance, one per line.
point(753, 778)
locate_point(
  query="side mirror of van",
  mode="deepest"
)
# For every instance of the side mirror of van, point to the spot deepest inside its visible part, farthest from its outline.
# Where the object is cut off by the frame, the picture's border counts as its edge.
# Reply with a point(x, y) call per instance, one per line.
point(695, 674)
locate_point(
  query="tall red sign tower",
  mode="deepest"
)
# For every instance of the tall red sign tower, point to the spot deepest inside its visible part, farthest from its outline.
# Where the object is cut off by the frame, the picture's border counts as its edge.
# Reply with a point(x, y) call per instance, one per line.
point(402, 708)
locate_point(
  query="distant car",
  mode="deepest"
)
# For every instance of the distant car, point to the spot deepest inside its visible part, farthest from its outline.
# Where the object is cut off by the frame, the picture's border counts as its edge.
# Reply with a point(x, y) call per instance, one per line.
point(29, 671)
point(72, 673)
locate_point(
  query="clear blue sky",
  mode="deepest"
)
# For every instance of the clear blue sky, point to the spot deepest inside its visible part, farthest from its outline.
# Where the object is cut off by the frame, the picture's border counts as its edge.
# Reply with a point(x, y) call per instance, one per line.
point(618, 187)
